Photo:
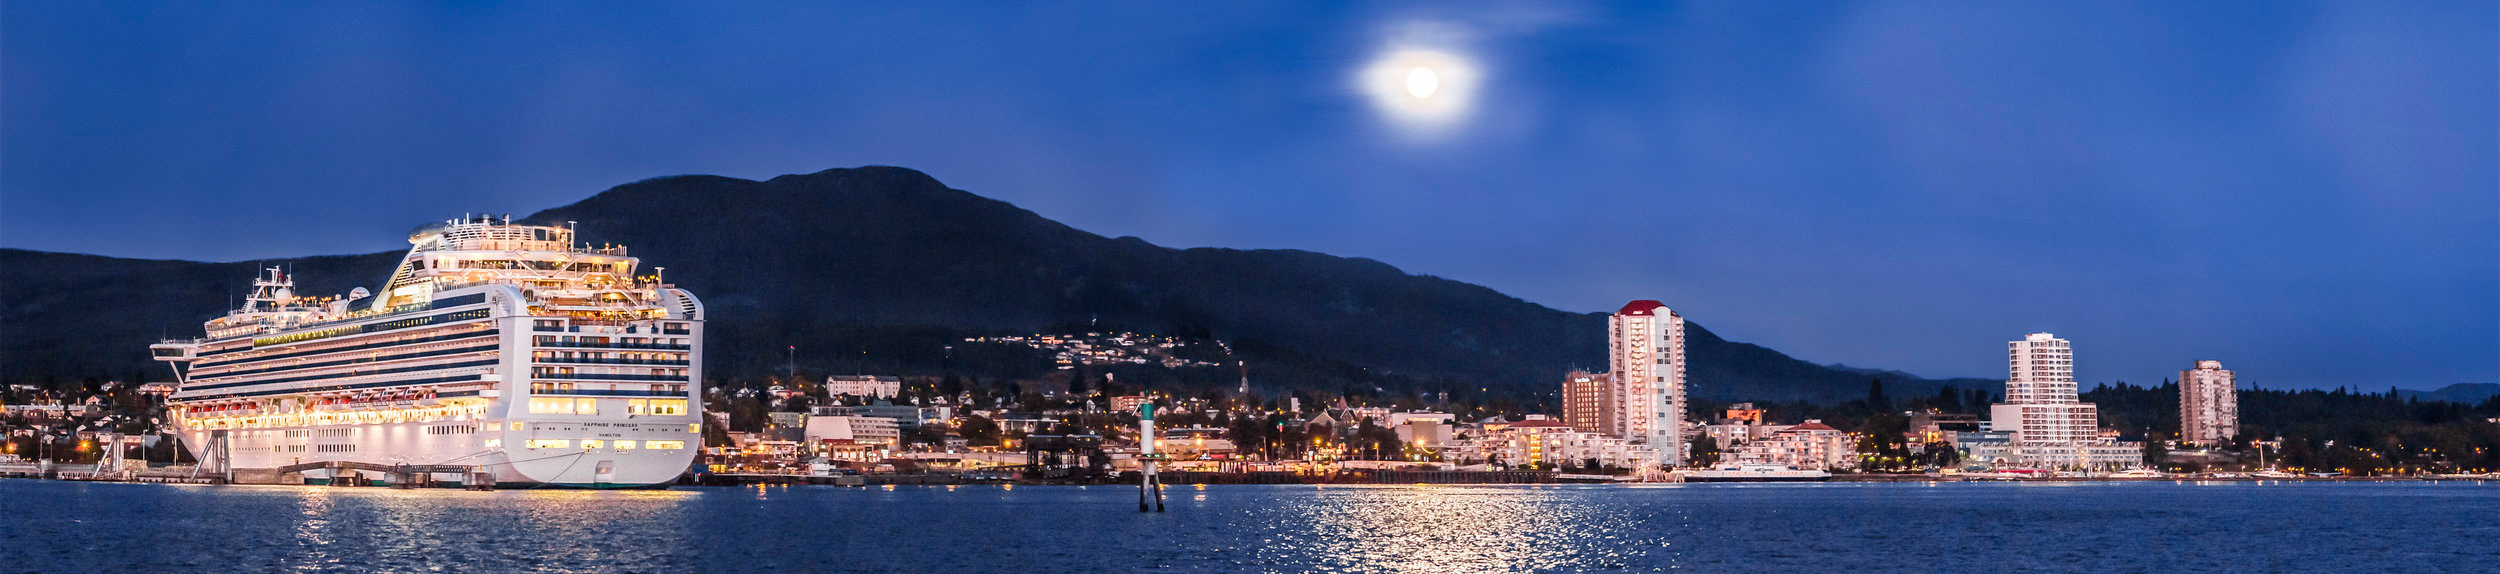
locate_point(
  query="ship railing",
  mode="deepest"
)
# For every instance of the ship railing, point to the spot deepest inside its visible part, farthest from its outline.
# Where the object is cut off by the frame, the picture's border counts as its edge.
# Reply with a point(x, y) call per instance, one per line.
point(611, 393)
point(653, 346)
point(362, 315)
point(470, 244)
point(603, 377)
point(661, 362)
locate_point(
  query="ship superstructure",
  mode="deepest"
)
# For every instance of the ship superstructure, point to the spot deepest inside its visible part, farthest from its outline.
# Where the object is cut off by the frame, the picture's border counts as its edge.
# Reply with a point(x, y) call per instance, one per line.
point(498, 347)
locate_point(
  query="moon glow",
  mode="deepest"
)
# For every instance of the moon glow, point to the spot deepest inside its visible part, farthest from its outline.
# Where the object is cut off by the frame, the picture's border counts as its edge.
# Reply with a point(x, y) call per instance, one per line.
point(1421, 90)
point(1422, 82)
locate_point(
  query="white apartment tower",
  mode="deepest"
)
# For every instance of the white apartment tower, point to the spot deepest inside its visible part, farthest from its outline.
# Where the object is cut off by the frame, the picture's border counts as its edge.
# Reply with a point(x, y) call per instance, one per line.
point(2209, 404)
point(2040, 403)
point(1647, 363)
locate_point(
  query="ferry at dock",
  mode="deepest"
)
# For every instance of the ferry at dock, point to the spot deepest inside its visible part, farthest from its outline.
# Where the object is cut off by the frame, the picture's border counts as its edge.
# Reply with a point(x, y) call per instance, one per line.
point(496, 349)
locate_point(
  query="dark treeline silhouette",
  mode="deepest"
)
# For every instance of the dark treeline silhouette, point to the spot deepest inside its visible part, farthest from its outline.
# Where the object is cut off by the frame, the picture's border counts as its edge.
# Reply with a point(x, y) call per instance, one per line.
point(2340, 430)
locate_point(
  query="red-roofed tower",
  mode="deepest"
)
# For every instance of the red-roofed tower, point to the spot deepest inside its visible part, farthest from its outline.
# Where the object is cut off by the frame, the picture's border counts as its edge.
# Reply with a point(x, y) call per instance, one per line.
point(1646, 359)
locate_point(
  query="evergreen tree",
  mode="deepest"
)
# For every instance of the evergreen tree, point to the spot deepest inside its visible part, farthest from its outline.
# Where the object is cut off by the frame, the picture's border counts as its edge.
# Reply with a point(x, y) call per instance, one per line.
point(1948, 400)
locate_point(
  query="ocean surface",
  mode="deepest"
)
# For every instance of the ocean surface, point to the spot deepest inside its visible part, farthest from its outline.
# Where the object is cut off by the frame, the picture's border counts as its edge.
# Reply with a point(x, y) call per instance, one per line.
point(1838, 527)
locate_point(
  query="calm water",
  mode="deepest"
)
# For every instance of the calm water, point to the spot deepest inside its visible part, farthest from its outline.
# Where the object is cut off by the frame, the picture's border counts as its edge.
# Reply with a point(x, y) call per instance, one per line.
point(2104, 527)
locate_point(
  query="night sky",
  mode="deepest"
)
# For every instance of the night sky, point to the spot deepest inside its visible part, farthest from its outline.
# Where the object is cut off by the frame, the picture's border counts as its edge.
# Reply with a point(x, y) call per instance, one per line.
point(2307, 193)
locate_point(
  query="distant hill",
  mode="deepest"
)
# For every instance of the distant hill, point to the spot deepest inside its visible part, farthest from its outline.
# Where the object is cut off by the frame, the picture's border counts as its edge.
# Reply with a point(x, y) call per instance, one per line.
point(2466, 393)
point(882, 268)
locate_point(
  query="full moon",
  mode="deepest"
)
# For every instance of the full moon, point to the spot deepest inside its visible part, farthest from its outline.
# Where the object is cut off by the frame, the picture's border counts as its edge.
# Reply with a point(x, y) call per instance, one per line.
point(1422, 82)
point(1424, 90)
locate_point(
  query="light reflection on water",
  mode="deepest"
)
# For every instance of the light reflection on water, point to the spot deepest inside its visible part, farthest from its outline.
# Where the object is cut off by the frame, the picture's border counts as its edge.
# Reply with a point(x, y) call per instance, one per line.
point(1462, 529)
point(2187, 526)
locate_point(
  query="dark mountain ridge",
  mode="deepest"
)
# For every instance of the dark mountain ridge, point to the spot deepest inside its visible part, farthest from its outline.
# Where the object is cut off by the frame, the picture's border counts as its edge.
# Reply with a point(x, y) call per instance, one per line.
point(881, 268)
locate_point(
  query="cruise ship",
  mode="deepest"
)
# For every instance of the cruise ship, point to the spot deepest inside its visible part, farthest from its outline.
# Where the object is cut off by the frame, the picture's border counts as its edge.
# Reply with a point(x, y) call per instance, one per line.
point(495, 349)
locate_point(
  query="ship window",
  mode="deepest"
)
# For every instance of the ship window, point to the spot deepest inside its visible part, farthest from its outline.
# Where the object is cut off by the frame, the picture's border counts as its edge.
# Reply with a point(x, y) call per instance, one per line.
point(590, 444)
point(550, 443)
point(637, 406)
point(494, 443)
point(548, 406)
point(668, 406)
point(585, 406)
point(664, 444)
point(624, 445)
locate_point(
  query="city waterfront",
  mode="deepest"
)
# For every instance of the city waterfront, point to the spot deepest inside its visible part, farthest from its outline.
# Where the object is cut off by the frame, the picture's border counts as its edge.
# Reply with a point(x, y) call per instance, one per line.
point(1867, 527)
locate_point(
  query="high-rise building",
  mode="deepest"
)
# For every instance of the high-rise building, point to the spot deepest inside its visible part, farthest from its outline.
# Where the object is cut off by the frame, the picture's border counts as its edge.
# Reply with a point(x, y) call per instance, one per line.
point(1588, 401)
point(2040, 403)
point(2209, 404)
point(1647, 363)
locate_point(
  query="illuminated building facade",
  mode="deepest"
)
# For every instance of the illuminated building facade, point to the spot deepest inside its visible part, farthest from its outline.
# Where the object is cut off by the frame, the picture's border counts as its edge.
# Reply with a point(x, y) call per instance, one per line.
point(2209, 404)
point(1646, 360)
point(1588, 401)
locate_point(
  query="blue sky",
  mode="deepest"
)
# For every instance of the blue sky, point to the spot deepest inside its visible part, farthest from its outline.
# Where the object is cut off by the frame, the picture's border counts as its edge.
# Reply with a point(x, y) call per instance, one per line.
point(2306, 192)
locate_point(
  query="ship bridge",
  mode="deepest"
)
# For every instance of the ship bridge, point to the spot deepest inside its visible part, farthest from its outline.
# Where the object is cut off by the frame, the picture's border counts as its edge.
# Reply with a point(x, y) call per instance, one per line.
point(556, 275)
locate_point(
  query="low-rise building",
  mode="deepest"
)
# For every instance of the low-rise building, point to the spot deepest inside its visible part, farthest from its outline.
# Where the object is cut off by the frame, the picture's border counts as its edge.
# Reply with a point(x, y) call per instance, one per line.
point(1811, 445)
point(905, 416)
point(1728, 434)
point(1932, 427)
point(1397, 419)
point(857, 429)
point(1426, 433)
point(864, 386)
point(2087, 455)
point(1743, 412)
point(1542, 440)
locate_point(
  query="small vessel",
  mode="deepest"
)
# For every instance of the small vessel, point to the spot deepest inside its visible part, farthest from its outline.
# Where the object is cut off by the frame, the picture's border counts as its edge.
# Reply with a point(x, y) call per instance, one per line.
point(2138, 473)
point(2273, 474)
point(1757, 473)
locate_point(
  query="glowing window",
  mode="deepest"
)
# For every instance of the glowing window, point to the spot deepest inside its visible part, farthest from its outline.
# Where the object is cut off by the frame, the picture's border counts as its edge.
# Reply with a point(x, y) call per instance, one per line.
point(664, 444)
point(637, 406)
point(585, 406)
point(624, 445)
point(550, 443)
point(692, 429)
point(668, 406)
point(590, 444)
point(549, 406)
point(494, 443)
point(516, 425)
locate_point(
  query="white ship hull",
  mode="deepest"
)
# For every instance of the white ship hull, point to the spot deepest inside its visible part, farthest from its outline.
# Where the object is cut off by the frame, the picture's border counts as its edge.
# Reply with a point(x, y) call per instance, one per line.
point(409, 443)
